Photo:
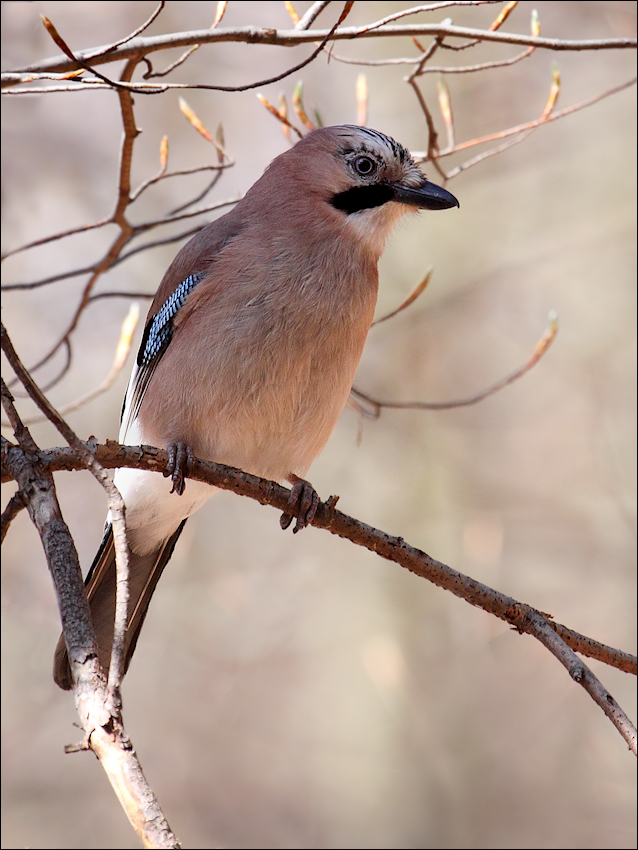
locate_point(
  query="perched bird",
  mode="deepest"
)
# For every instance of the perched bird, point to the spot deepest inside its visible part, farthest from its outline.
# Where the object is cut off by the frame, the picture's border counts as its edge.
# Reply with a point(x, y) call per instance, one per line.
point(252, 343)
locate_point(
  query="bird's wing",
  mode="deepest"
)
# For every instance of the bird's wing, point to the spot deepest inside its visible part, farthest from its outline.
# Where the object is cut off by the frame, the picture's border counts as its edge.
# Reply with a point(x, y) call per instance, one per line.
point(193, 263)
point(156, 339)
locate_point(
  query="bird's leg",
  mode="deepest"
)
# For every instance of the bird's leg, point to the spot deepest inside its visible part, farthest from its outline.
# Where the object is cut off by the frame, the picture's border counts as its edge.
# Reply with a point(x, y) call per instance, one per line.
point(180, 463)
point(302, 504)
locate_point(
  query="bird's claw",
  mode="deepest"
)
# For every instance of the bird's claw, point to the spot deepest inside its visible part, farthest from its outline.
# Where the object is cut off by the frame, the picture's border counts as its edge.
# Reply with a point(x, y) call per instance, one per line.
point(180, 464)
point(302, 505)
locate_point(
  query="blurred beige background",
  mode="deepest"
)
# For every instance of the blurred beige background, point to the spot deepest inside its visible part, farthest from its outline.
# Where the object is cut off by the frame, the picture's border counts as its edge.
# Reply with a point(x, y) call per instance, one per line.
point(297, 691)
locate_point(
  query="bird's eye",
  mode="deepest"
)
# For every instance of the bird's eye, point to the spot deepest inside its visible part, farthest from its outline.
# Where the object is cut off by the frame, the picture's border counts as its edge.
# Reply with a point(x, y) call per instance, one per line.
point(364, 166)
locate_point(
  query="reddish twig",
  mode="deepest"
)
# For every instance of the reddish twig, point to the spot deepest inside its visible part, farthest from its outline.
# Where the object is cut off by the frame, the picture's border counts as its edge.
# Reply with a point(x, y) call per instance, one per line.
point(541, 348)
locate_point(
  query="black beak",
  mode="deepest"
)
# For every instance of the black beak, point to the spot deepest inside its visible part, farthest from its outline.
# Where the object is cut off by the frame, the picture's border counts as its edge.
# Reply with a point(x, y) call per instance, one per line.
point(429, 196)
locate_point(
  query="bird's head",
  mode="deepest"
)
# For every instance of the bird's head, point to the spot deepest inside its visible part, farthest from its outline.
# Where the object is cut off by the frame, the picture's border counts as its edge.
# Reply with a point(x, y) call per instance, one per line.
point(368, 180)
point(348, 183)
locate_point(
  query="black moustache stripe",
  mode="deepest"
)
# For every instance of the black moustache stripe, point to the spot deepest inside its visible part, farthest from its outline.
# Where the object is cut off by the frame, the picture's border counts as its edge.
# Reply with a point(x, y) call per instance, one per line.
point(362, 198)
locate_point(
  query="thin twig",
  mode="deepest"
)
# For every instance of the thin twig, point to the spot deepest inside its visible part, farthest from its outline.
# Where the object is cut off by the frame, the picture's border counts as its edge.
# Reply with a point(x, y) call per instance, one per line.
point(475, 160)
point(45, 240)
point(121, 355)
point(428, 7)
point(411, 79)
point(311, 15)
point(200, 197)
point(149, 88)
point(541, 348)
point(480, 66)
point(421, 156)
point(122, 294)
point(82, 85)
point(132, 35)
point(416, 292)
point(166, 175)
point(15, 504)
point(54, 278)
point(219, 14)
point(168, 240)
point(116, 506)
point(437, 69)
point(85, 62)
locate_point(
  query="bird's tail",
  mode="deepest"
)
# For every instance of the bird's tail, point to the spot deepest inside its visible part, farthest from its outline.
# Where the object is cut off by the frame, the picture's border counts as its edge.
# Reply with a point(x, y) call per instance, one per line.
point(144, 573)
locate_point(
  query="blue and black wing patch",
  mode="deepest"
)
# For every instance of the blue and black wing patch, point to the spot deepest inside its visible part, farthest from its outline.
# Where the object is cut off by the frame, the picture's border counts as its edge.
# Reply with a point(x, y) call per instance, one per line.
point(157, 336)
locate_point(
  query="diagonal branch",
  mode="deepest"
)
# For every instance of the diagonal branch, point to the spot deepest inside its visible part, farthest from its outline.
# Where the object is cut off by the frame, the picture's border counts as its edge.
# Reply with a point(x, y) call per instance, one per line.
point(539, 351)
point(116, 507)
point(524, 618)
point(98, 703)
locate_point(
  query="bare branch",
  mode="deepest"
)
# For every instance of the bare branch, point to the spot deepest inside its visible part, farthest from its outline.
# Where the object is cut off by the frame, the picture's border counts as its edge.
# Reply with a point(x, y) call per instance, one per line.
point(101, 719)
point(311, 15)
point(99, 706)
point(142, 46)
point(219, 14)
point(121, 355)
point(418, 290)
point(150, 88)
point(118, 217)
point(600, 651)
point(83, 62)
point(122, 294)
point(74, 231)
point(80, 85)
point(481, 66)
point(541, 348)
point(421, 156)
point(437, 69)
point(15, 504)
point(169, 240)
point(475, 160)
point(54, 278)
point(433, 136)
point(132, 35)
point(428, 7)
point(116, 506)
point(522, 617)
point(278, 114)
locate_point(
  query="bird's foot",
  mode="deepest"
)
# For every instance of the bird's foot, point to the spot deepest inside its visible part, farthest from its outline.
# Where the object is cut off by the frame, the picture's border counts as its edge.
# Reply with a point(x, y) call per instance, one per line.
point(180, 463)
point(302, 504)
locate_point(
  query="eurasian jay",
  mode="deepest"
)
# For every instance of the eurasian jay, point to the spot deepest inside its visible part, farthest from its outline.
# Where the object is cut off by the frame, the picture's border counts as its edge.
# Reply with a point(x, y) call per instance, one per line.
point(252, 343)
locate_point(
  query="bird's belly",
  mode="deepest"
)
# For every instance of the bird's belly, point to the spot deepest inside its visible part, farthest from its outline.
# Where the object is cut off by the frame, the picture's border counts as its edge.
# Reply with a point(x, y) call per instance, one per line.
point(269, 413)
point(281, 425)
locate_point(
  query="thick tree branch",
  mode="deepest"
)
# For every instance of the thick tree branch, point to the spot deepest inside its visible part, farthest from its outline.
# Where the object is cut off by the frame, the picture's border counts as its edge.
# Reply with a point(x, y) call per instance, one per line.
point(522, 617)
point(98, 704)
point(139, 47)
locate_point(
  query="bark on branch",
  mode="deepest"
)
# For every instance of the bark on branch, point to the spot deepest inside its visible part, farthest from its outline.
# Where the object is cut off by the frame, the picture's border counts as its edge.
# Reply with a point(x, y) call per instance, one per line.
point(560, 640)
point(142, 46)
